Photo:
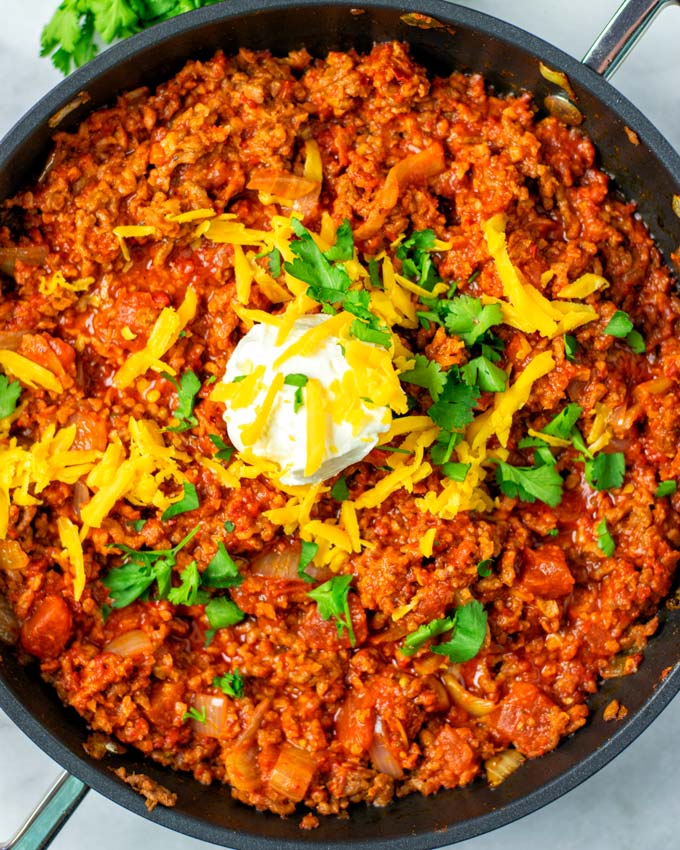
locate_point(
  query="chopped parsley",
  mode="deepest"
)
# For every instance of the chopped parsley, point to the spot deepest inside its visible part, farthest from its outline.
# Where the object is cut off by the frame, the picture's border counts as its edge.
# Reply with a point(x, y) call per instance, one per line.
point(340, 490)
point(453, 409)
point(606, 471)
point(570, 347)
point(138, 525)
point(194, 714)
point(187, 389)
point(332, 600)
point(484, 568)
point(482, 372)
point(9, 396)
point(666, 488)
point(466, 317)
point(140, 570)
point(308, 551)
point(455, 471)
point(231, 684)
point(229, 526)
point(415, 254)
point(529, 483)
point(221, 572)
point(604, 539)
point(298, 381)
point(469, 630)
point(427, 374)
point(188, 502)
point(621, 326)
point(222, 613)
point(329, 283)
point(188, 592)
point(224, 452)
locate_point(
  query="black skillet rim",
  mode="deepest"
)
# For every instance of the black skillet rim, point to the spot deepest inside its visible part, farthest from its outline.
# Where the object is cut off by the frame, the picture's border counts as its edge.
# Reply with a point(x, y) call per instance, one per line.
point(555, 787)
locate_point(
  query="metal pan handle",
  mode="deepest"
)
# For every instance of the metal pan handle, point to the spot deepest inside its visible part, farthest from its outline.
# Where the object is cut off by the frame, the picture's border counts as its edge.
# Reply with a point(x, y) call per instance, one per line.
point(51, 813)
point(621, 34)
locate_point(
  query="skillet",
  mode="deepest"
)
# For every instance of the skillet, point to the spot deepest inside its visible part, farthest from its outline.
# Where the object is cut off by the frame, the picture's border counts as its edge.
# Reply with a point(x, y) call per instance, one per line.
point(648, 172)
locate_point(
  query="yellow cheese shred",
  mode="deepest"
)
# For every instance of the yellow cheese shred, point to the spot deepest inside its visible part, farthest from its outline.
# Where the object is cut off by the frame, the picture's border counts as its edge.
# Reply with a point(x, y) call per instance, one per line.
point(316, 425)
point(70, 540)
point(28, 372)
point(251, 432)
point(243, 274)
point(163, 336)
point(526, 308)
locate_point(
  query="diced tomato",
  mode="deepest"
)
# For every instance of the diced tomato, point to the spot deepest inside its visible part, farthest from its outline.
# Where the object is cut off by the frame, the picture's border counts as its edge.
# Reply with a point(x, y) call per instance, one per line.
point(546, 572)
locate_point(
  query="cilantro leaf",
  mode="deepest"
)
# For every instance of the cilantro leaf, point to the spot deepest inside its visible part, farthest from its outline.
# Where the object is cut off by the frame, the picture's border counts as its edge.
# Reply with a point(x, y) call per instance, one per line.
point(481, 372)
point(606, 471)
point(469, 630)
point(312, 267)
point(416, 259)
point(484, 568)
point(468, 636)
point(619, 325)
point(221, 571)
point(367, 333)
point(224, 452)
point(604, 539)
point(636, 341)
point(570, 347)
point(426, 373)
point(453, 409)
point(187, 389)
point(344, 244)
point(529, 483)
point(194, 714)
point(444, 445)
point(468, 319)
point(231, 684)
point(666, 488)
point(456, 471)
point(139, 571)
point(187, 593)
point(308, 551)
point(562, 425)
point(222, 613)
point(188, 502)
point(299, 381)
point(70, 32)
point(332, 600)
point(229, 526)
point(426, 632)
point(273, 258)
point(9, 396)
point(340, 490)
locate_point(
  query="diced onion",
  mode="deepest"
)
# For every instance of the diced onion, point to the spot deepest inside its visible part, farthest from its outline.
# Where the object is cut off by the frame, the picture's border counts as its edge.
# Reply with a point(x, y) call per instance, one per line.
point(500, 766)
point(215, 707)
point(11, 340)
point(278, 563)
point(474, 705)
point(292, 772)
point(382, 756)
point(32, 255)
point(12, 556)
point(243, 771)
point(134, 642)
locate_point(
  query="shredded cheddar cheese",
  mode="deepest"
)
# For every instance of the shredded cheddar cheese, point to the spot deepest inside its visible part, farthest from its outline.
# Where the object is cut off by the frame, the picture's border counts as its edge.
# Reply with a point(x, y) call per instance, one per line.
point(70, 540)
point(29, 372)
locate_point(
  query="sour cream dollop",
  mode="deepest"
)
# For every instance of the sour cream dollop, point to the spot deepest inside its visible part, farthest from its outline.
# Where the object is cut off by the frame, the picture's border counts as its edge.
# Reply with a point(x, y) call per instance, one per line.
point(341, 411)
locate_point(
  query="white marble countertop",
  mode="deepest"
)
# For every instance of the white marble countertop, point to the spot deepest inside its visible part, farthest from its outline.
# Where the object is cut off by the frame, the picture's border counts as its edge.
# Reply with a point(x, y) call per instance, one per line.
point(631, 804)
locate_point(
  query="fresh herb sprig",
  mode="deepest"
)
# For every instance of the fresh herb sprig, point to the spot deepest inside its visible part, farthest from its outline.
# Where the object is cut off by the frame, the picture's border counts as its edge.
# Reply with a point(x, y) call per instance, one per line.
point(468, 625)
point(332, 600)
point(69, 36)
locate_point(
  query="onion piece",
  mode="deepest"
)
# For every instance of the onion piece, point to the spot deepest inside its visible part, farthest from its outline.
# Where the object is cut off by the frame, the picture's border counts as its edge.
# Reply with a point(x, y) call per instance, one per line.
point(9, 625)
point(292, 772)
point(500, 766)
point(382, 757)
point(12, 556)
point(251, 729)
point(81, 496)
point(11, 340)
point(281, 183)
point(278, 563)
point(134, 642)
point(474, 705)
point(215, 708)
point(32, 255)
point(243, 771)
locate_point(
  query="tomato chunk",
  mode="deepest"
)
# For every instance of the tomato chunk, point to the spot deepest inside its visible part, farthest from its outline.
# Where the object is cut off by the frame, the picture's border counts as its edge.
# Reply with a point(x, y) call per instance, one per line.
point(546, 572)
point(45, 633)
